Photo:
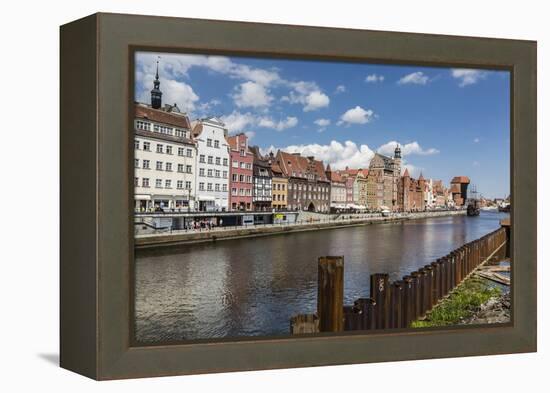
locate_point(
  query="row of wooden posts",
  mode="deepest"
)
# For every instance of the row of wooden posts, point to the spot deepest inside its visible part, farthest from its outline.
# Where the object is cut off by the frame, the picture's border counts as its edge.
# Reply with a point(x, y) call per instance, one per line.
point(397, 304)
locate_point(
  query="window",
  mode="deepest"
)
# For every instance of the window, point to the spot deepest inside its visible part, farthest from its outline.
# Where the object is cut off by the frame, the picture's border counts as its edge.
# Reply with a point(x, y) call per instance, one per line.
point(235, 164)
point(234, 177)
point(136, 163)
point(167, 184)
point(147, 146)
point(201, 186)
point(201, 171)
point(160, 148)
point(218, 161)
point(181, 133)
point(224, 187)
point(209, 187)
point(189, 153)
point(217, 173)
point(248, 165)
point(224, 175)
point(146, 164)
point(210, 159)
point(209, 142)
point(136, 181)
point(145, 182)
point(217, 143)
point(143, 125)
point(180, 151)
point(209, 173)
point(136, 145)
point(233, 191)
point(169, 166)
point(249, 179)
point(168, 149)
point(163, 129)
point(243, 165)
point(188, 168)
point(158, 183)
point(225, 162)
point(242, 152)
point(159, 165)
point(180, 167)
point(188, 185)
point(241, 178)
point(201, 158)
point(217, 187)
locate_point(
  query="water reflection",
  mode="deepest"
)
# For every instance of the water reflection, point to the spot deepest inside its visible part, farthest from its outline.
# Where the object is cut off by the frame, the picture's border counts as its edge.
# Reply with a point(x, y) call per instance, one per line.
point(251, 287)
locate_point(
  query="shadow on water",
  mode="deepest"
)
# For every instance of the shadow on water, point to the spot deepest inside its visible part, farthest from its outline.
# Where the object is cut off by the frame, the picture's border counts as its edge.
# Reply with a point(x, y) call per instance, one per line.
point(251, 287)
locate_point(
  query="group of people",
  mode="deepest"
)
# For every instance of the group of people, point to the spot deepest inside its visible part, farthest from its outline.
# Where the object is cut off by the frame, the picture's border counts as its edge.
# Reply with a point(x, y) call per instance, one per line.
point(205, 224)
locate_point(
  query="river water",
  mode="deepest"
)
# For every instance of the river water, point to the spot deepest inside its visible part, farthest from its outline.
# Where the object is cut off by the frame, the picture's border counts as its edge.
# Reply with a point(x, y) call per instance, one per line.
point(251, 287)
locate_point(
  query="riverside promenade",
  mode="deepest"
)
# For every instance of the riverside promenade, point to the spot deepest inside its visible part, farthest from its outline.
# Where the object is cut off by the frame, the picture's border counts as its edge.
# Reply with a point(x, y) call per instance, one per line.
point(307, 222)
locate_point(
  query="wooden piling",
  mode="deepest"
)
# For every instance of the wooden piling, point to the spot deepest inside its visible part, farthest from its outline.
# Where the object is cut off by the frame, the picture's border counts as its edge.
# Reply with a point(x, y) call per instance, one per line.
point(330, 297)
point(397, 305)
point(304, 324)
point(379, 291)
point(365, 308)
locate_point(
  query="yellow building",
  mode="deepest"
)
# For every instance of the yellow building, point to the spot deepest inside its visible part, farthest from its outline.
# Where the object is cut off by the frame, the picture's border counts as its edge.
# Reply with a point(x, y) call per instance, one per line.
point(279, 188)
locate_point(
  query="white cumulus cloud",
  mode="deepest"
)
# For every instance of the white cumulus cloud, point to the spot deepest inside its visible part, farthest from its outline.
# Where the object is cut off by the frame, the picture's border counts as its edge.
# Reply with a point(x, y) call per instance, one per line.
point(407, 149)
point(307, 94)
point(251, 94)
point(467, 76)
point(280, 125)
point(322, 122)
point(340, 89)
point(374, 78)
point(415, 78)
point(237, 121)
point(356, 115)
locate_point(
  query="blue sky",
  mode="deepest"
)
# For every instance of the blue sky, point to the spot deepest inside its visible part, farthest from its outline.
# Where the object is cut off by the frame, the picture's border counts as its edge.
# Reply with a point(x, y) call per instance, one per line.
point(449, 121)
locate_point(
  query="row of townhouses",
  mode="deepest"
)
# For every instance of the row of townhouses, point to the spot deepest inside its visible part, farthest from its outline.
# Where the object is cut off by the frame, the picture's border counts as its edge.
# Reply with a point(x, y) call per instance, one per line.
point(197, 166)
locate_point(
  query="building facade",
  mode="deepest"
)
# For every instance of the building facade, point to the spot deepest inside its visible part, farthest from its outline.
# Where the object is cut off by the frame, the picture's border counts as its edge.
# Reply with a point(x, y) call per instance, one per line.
point(262, 177)
point(385, 173)
point(338, 190)
point(459, 190)
point(356, 187)
point(240, 173)
point(411, 193)
point(279, 184)
point(164, 156)
point(212, 174)
point(308, 185)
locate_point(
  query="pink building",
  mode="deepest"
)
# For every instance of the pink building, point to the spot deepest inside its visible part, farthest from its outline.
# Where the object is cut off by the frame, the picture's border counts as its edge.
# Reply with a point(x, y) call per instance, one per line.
point(240, 173)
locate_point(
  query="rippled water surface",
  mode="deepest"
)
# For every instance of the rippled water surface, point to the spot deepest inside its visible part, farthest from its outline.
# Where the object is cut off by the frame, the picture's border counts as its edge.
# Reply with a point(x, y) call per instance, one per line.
point(251, 287)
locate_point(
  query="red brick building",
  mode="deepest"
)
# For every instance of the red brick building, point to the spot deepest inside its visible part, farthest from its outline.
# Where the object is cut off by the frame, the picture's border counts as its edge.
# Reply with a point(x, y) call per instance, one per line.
point(240, 173)
point(459, 189)
point(410, 193)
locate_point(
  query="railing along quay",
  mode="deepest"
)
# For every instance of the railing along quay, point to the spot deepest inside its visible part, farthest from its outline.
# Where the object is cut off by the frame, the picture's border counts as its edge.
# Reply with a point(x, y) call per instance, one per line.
point(394, 305)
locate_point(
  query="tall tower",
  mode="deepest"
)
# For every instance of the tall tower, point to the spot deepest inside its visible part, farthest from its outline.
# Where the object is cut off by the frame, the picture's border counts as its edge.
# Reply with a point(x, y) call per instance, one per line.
point(156, 94)
point(396, 175)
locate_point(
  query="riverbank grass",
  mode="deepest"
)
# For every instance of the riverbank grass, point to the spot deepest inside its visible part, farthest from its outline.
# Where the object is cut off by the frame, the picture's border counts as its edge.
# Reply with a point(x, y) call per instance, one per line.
point(462, 303)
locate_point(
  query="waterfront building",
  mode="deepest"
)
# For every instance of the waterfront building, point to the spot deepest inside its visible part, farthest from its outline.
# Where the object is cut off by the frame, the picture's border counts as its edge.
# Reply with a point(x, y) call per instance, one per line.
point(240, 173)
point(459, 190)
point(262, 178)
point(440, 194)
point(212, 174)
point(338, 190)
point(384, 175)
point(411, 193)
point(356, 181)
point(308, 185)
point(279, 184)
point(164, 156)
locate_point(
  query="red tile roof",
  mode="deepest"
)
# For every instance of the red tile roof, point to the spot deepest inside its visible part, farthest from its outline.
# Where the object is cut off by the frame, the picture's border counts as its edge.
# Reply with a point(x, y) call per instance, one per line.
point(160, 116)
point(300, 166)
point(460, 179)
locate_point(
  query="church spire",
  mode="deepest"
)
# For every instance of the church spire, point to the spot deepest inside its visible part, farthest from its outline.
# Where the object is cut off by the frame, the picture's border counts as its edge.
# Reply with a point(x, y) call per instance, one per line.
point(156, 94)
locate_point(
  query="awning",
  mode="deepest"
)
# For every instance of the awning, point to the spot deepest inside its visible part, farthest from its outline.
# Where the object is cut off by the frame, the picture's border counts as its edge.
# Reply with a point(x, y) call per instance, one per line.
point(142, 197)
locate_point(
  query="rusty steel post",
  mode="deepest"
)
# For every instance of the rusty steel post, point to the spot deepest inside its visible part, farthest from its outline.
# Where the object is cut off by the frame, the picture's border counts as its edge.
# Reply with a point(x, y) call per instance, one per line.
point(407, 301)
point(379, 291)
point(330, 296)
point(429, 286)
point(415, 297)
point(397, 304)
point(364, 307)
point(435, 283)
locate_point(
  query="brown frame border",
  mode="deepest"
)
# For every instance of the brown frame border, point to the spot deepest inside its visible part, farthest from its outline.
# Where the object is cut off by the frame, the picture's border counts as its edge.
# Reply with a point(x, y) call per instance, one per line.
point(96, 232)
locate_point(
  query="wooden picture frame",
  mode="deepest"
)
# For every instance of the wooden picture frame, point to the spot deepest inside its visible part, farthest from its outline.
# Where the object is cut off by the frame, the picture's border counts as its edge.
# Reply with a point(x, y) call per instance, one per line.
point(97, 190)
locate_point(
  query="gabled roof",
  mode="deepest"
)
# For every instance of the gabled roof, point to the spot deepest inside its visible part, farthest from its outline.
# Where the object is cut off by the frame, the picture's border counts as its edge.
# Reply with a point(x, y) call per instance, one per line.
point(142, 111)
point(300, 166)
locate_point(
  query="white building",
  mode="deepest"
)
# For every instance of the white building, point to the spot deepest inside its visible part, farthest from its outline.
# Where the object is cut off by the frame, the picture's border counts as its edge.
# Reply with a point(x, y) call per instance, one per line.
point(164, 159)
point(212, 175)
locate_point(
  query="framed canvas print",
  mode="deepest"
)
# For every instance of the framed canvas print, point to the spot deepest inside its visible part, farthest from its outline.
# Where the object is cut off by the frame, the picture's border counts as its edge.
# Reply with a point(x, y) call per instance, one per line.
point(241, 196)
